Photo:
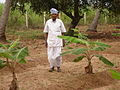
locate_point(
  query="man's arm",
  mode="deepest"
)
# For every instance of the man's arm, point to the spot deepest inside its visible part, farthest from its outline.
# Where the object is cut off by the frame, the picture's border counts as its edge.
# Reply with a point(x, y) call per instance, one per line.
point(63, 40)
point(46, 36)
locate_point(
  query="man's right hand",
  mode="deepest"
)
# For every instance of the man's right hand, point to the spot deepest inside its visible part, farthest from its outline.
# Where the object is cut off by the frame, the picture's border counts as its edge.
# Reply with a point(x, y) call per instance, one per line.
point(46, 44)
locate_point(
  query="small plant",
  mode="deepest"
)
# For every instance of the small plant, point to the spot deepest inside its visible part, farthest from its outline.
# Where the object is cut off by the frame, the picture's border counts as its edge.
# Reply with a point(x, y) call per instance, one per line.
point(11, 55)
point(86, 51)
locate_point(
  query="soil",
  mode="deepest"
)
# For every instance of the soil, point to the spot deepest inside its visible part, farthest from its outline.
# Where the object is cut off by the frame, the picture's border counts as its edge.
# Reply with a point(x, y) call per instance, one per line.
point(35, 76)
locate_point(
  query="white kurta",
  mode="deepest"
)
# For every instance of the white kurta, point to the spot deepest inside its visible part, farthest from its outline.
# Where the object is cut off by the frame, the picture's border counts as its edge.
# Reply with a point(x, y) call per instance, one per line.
point(54, 29)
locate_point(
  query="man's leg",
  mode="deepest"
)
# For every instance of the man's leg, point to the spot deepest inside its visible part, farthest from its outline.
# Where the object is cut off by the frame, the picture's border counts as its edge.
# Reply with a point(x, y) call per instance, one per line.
point(50, 58)
point(58, 58)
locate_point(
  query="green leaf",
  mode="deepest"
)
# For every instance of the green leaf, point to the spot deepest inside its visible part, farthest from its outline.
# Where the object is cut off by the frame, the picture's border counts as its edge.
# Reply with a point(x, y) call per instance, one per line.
point(98, 48)
point(2, 64)
point(1, 61)
point(105, 60)
point(102, 44)
point(74, 39)
point(22, 53)
point(2, 45)
point(6, 55)
point(22, 61)
point(78, 58)
point(65, 53)
point(79, 51)
point(14, 44)
point(115, 74)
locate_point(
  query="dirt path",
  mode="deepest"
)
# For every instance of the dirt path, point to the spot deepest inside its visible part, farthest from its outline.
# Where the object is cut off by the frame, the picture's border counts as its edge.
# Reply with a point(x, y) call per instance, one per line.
point(35, 76)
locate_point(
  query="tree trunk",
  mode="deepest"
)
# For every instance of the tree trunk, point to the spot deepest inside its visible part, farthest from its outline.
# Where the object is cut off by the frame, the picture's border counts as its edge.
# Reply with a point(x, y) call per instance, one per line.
point(85, 19)
point(14, 84)
point(93, 25)
point(26, 18)
point(74, 23)
point(4, 19)
point(75, 17)
point(89, 68)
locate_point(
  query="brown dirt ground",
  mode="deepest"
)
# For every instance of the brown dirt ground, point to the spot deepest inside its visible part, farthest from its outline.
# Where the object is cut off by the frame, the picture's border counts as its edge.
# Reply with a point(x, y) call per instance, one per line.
point(35, 76)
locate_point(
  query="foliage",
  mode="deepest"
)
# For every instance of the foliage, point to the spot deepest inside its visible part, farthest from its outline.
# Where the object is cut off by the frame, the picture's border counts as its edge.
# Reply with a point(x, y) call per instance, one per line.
point(11, 55)
point(111, 5)
point(85, 51)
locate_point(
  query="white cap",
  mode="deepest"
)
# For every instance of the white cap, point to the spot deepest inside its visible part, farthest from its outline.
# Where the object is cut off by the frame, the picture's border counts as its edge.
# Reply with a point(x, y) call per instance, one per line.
point(53, 11)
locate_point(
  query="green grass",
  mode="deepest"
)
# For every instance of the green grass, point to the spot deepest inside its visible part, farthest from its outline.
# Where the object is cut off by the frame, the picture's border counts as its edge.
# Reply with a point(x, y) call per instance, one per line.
point(116, 34)
point(29, 34)
point(116, 29)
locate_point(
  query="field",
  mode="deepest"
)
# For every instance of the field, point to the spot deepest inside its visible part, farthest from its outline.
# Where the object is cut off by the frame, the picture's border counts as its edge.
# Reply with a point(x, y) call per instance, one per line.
point(35, 76)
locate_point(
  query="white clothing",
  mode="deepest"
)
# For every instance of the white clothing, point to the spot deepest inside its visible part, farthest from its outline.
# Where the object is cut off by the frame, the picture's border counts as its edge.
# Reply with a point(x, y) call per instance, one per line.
point(54, 56)
point(54, 29)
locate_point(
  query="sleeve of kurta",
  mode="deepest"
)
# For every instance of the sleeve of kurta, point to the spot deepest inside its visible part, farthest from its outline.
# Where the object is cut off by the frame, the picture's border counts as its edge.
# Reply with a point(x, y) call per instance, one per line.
point(62, 27)
point(46, 28)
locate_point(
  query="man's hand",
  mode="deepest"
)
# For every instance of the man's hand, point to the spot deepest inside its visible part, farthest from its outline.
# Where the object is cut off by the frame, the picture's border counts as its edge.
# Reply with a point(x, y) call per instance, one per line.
point(46, 44)
point(63, 43)
point(46, 35)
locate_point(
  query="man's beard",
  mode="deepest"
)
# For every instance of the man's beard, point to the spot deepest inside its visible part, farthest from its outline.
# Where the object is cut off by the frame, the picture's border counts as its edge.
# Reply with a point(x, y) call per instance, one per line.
point(54, 19)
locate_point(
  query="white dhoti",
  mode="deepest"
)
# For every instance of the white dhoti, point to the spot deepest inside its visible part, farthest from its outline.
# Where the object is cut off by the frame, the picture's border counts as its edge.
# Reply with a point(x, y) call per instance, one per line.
point(54, 56)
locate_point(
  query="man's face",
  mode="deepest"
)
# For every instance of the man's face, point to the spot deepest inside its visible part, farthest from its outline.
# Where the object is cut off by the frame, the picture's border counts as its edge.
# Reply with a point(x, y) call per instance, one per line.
point(54, 16)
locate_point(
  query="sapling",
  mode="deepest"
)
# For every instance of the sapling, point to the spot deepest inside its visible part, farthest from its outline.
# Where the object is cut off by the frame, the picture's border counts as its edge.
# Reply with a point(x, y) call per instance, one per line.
point(85, 50)
point(11, 55)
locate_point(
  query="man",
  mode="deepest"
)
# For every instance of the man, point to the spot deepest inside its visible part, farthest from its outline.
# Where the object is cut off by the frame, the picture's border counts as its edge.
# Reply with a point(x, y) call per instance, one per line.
point(54, 27)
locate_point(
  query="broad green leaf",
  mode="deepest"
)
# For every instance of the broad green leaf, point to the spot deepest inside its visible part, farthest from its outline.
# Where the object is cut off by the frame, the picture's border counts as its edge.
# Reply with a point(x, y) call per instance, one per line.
point(98, 48)
point(14, 44)
point(78, 58)
point(6, 55)
point(74, 39)
point(65, 53)
point(22, 53)
point(104, 60)
point(115, 74)
point(22, 61)
point(79, 51)
point(102, 44)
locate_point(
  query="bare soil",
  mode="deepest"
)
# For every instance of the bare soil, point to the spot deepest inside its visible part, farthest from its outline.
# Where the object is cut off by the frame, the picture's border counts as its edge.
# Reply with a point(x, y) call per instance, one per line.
point(35, 76)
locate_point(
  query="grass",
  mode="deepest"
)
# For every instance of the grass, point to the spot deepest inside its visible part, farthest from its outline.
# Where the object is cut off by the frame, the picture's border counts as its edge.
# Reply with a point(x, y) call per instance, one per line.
point(116, 34)
point(116, 29)
point(28, 33)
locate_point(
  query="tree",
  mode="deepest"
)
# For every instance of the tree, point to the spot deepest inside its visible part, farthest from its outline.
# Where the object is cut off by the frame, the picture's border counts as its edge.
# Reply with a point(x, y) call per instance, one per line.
point(72, 8)
point(93, 25)
point(4, 19)
point(100, 5)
